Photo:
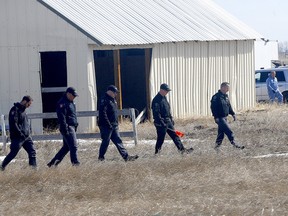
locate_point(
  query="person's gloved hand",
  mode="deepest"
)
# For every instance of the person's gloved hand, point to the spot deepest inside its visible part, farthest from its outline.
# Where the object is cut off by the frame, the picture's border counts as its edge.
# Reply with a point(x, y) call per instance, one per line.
point(216, 120)
point(234, 117)
point(64, 132)
point(173, 123)
point(22, 136)
point(163, 124)
point(114, 127)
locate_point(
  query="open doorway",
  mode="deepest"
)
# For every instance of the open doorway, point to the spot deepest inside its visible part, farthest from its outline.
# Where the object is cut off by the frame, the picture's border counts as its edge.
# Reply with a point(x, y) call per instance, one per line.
point(104, 69)
point(53, 82)
point(134, 69)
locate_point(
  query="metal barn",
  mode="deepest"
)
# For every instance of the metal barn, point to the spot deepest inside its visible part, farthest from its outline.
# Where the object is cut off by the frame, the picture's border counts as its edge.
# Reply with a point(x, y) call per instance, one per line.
point(193, 45)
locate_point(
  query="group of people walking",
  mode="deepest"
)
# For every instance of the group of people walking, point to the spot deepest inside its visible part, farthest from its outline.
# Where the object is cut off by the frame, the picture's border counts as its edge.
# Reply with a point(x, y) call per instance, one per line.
point(108, 125)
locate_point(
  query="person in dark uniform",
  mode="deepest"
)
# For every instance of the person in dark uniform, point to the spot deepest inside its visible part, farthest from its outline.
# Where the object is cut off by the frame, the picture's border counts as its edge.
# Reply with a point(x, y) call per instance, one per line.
point(20, 132)
point(221, 108)
point(163, 120)
point(66, 113)
point(108, 125)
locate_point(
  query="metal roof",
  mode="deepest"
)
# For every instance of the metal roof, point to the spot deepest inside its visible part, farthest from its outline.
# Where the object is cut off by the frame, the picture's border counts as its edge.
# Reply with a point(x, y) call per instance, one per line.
point(131, 22)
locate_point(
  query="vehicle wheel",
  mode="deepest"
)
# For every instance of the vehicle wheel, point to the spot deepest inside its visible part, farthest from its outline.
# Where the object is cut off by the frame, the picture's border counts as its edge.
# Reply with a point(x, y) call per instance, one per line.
point(285, 97)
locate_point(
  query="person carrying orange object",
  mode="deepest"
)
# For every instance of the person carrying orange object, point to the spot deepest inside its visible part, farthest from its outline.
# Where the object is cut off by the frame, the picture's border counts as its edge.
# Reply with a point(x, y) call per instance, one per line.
point(178, 133)
point(163, 121)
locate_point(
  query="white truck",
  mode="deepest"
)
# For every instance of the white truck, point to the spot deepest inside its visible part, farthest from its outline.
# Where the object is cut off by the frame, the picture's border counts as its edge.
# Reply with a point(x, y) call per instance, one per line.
point(261, 88)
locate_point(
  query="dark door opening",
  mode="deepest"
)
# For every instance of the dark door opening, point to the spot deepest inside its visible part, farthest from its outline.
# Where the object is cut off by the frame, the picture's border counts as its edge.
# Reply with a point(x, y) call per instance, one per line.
point(104, 69)
point(53, 83)
point(134, 76)
point(133, 79)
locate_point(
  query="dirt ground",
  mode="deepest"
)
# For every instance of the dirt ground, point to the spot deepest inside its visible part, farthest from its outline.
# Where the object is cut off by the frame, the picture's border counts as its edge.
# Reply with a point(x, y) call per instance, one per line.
point(252, 181)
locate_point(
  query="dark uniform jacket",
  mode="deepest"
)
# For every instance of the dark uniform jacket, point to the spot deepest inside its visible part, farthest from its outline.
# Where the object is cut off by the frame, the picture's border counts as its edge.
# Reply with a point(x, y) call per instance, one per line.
point(66, 113)
point(108, 116)
point(161, 110)
point(18, 122)
point(220, 105)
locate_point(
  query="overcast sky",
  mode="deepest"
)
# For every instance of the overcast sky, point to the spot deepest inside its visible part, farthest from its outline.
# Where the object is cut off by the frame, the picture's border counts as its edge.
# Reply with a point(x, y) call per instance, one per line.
point(268, 17)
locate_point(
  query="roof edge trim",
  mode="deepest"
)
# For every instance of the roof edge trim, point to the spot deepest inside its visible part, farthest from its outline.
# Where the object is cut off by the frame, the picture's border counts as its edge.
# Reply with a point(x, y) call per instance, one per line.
point(70, 22)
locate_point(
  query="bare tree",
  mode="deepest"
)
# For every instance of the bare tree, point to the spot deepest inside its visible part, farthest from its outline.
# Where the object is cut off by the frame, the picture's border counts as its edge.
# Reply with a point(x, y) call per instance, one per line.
point(283, 46)
point(283, 52)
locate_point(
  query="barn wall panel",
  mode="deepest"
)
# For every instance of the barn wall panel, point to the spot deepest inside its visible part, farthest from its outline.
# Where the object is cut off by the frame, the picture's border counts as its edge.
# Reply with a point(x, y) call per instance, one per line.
point(195, 70)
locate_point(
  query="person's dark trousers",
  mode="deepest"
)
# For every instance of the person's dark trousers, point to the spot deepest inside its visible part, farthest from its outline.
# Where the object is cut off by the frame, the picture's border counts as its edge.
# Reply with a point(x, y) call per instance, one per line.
point(69, 144)
point(15, 146)
point(161, 132)
point(113, 134)
point(223, 128)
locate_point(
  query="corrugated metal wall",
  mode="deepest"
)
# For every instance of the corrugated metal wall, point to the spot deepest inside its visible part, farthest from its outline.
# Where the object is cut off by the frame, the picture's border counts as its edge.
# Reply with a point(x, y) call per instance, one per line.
point(28, 28)
point(195, 70)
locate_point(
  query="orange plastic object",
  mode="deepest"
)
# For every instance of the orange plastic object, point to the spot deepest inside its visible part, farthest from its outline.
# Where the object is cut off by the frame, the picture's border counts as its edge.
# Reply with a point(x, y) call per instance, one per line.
point(179, 133)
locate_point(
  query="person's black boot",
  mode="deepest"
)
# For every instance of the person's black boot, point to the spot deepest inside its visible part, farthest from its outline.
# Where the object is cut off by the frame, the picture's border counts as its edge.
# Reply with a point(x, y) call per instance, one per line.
point(76, 164)
point(53, 163)
point(101, 159)
point(131, 158)
point(157, 151)
point(237, 145)
point(217, 147)
point(49, 164)
point(187, 151)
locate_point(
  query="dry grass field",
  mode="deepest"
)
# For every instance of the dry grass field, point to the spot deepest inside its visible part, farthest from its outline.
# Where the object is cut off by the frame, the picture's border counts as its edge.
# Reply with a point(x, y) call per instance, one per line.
point(231, 182)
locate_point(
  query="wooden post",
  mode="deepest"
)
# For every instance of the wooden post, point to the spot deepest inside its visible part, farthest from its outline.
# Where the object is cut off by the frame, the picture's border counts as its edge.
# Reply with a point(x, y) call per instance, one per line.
point(4, 137)
point(117, 76)
point(135, 135)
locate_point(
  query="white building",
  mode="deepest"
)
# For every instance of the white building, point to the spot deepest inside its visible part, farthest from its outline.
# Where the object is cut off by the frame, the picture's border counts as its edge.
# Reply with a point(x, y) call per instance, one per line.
point(193, 45)
point(265, 53)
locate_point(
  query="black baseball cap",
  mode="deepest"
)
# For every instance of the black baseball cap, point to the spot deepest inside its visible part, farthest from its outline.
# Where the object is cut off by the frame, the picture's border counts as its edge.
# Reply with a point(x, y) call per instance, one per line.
point(165, 87)
point(72, 91)
point(113, 88)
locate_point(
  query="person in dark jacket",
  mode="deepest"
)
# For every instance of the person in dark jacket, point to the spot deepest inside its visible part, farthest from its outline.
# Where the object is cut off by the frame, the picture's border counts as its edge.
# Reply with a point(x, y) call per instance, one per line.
point(163, 120)
point(66, 113)
point(20, 133)
point(221, 108)
point(108, 125)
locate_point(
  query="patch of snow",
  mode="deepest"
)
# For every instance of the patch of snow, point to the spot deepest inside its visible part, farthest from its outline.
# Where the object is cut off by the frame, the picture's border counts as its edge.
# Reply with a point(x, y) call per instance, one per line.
point(2, 158)
point(272, 155)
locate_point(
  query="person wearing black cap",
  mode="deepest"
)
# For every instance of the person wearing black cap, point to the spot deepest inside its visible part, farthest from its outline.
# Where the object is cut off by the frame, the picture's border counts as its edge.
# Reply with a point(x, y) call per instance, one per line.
point(66, 113)
point(163, 120)
point(20, 133)
point(108, 125)
point(221, 108)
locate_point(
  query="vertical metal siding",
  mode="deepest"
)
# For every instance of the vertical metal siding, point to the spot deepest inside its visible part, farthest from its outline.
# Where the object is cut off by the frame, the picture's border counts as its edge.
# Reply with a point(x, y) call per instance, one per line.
point(195, 70)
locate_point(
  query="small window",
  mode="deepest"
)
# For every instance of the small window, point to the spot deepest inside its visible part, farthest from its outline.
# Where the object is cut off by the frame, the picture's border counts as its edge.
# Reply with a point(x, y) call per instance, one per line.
point(264, 76)
point(280, 76)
